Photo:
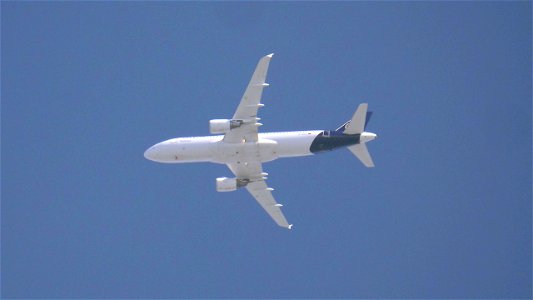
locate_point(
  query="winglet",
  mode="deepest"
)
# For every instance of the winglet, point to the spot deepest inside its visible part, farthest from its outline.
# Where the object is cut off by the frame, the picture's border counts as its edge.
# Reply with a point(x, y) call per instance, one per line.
point(290, 227)
point(270, 55)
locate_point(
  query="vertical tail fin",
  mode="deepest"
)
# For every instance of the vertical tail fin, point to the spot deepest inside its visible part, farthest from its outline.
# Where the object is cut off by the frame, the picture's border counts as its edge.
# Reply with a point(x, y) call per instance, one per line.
point(357, 126)
point(357, 123)
point(343, 126)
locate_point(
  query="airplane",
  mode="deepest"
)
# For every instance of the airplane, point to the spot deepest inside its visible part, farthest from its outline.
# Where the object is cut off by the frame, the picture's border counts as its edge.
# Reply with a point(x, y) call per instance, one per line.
point(240, 146)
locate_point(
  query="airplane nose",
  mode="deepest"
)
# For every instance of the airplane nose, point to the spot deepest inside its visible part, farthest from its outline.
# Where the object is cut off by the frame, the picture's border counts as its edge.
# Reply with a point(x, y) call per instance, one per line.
point(161, 152)
point(150, 153)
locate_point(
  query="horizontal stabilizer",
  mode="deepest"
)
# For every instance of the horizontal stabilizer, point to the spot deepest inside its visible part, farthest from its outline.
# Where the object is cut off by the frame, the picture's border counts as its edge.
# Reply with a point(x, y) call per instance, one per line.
point(361, 151)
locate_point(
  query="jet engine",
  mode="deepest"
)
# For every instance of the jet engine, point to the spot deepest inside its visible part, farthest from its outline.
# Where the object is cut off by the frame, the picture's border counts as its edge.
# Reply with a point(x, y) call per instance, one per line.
point(217, 126)
point(225, 184)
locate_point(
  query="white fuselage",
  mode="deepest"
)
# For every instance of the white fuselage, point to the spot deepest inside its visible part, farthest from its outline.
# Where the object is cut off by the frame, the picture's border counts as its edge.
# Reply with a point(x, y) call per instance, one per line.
point(270, 146)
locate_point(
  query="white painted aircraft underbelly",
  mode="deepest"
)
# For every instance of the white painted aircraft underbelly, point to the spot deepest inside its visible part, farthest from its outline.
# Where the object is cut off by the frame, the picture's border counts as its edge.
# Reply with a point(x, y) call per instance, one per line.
point(261, 151)
point(270, 146)
point(185, 150)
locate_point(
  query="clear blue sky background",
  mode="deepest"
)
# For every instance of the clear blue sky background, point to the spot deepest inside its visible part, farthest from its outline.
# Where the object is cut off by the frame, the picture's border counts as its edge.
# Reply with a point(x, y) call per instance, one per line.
point(87, 87)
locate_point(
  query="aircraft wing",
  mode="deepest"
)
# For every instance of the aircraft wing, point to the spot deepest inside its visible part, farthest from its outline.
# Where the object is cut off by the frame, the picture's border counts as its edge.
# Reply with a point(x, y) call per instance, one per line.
point(257, 186)
point(250, 103)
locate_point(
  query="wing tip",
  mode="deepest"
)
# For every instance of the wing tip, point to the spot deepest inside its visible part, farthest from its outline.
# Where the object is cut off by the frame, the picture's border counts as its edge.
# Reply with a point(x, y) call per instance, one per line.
point(270, 55)
point(290, 227)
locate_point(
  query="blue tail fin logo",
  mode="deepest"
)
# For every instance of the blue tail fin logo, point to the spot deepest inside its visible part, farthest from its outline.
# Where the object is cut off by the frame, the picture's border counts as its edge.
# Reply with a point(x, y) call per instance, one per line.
point(341, 129)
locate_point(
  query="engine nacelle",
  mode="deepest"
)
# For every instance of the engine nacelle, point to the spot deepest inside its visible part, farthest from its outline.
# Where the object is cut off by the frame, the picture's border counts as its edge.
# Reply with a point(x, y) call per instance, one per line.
point(217, 126)
point(225, 184)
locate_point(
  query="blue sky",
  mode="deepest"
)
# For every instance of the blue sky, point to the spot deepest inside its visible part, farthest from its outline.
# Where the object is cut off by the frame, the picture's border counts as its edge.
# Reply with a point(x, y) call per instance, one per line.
point(87, 87)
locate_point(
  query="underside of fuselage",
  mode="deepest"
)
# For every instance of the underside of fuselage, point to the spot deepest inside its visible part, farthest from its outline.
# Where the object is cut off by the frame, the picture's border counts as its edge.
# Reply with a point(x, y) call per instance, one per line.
point(269, 146)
